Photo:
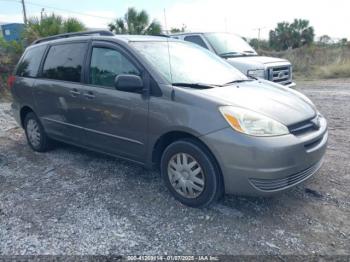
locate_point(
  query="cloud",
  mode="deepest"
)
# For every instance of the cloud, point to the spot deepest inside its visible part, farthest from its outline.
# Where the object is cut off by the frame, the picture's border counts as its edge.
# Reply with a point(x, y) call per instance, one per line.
point(92, 19)
point(244, 17)
point(102, 19)
point(4, 18)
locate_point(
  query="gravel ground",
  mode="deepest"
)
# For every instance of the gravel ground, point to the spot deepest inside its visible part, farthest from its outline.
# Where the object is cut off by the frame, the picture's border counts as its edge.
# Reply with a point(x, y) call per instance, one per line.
point(72, 201)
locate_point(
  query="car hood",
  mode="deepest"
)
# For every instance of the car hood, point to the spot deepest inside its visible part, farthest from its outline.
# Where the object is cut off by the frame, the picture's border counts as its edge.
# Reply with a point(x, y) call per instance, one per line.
point(280, 103)
point(257, 61)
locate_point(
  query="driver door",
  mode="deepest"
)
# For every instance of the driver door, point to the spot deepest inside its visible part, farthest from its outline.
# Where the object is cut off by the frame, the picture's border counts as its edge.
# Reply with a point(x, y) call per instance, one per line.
point(115, 121)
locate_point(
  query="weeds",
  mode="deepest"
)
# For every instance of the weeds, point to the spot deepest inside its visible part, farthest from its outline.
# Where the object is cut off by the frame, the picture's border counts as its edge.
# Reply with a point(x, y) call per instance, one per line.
point(341, 70)
point(9, 55)
point(317, 62)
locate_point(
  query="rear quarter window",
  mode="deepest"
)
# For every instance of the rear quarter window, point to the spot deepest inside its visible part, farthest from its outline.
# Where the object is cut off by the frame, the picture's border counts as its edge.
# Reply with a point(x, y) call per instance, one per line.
point(29, 64)
point(65, 62)
point(196, 40)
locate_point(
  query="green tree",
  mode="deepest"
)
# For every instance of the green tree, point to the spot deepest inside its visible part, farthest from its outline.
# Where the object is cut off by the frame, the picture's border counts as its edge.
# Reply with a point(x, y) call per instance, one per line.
point(291, 35)
point(51, 25)
point(343, 41)
point(325, 40)
point(135, 22)
point(174, 30)
point(259, 44)
point(10, 52)
point(72, 25)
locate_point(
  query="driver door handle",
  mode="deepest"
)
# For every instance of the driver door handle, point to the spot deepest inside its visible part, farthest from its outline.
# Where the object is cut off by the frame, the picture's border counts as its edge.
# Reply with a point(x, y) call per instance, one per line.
point(89, 95)
point(74, 92)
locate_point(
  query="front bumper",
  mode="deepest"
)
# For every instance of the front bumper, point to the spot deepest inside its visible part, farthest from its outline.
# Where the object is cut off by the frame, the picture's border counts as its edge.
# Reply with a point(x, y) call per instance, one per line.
point(266, 165)
point(291, 85)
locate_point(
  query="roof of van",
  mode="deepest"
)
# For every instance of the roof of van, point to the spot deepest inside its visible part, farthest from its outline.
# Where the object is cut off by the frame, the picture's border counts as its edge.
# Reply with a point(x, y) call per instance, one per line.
point(200, 33)
point(189, 33)
point(131, 38)
point(99, 34)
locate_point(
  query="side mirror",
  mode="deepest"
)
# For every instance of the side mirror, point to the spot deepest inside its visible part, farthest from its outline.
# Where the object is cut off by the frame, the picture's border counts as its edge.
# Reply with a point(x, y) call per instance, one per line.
point(128, 83)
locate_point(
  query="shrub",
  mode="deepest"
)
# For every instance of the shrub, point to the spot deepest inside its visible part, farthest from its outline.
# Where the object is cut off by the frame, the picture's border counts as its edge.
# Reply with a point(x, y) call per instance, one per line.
point(335, 70)
point(9, 55)
point(315, 61)
point(50, 25)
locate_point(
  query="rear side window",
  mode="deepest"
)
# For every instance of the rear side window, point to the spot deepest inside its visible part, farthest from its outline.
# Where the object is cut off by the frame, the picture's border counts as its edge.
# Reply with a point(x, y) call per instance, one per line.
point(65, 62)
point(29, 65)
point(196, 39)
point(106, 64)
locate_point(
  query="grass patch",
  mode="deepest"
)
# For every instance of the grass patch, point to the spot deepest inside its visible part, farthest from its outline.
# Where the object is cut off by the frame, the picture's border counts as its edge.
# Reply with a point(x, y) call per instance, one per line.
point(334, 70)
point(317, 62)
point(5, 94)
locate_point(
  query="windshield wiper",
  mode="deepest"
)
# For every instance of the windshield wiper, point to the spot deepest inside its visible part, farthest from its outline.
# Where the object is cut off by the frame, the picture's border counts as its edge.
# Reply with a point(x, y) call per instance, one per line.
point(195, 85)
point(233, 54)
point(249, 52)
point(238, 81)
point(228, 54)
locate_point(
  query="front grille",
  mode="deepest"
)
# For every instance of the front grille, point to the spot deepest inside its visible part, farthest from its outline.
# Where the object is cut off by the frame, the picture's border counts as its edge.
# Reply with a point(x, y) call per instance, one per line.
point(280, 183)
point(304, 127)
point(281, 74)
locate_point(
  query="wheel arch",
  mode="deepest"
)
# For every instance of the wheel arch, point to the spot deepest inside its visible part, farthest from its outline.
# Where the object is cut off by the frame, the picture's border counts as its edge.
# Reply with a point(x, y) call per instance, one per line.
point(166, 139)
point(23, 112)
point(172, 136)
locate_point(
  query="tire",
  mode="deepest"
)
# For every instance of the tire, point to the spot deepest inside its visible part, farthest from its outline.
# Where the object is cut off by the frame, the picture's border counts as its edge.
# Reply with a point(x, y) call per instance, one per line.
point(35, 133)
point(187, 164)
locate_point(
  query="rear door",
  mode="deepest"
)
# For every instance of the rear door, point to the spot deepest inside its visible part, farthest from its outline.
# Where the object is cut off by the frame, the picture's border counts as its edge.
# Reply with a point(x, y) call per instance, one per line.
point(115, 121)
point(58, 91)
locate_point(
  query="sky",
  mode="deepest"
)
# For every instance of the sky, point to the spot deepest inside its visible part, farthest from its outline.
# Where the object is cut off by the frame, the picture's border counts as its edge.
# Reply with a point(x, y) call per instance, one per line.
point(331, 17)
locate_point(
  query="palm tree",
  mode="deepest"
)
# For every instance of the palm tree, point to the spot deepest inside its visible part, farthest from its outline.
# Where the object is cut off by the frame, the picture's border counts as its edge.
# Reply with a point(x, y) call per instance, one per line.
point(291, 35)
point(135, 22)
point(51, 25)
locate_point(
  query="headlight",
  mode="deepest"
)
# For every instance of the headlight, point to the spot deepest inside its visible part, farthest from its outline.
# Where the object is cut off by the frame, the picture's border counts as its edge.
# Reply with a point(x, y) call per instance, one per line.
point(258, 73)
point(252, 123)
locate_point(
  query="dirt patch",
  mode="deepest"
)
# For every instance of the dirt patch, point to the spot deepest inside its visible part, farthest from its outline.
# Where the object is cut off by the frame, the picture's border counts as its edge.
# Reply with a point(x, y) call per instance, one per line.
point(6, 120)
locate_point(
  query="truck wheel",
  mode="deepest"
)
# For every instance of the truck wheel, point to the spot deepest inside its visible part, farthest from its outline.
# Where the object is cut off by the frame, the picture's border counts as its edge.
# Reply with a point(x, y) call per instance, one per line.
point(35, 133)
point(191, 173)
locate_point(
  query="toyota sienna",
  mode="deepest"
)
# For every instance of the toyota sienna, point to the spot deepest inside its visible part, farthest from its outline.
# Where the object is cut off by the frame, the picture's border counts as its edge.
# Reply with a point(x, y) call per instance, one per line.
point(166, 103)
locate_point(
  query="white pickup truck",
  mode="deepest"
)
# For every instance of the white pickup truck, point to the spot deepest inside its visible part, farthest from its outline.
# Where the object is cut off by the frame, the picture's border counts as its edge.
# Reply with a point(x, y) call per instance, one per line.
point(242, 56)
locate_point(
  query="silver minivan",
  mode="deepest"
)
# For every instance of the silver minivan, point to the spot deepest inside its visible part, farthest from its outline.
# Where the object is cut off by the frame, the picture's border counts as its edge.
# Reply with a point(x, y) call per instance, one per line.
point(169, 104)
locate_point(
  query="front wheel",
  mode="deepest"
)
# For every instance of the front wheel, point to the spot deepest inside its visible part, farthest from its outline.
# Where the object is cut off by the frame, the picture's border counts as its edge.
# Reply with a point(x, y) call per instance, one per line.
point(191, 173)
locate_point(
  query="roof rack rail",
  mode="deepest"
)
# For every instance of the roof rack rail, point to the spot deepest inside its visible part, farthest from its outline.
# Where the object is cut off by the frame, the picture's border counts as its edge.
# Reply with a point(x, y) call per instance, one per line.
point(67, 35)
point(162, 35)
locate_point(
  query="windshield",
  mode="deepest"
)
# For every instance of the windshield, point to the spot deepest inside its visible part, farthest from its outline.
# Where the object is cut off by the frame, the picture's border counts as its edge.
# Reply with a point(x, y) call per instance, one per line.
point(188, 63)
point(229, 44)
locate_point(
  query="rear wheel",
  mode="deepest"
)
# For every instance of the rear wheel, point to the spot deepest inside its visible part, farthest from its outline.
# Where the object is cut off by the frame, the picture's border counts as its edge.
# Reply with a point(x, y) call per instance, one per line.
point(191, 174)
point(35, 133)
